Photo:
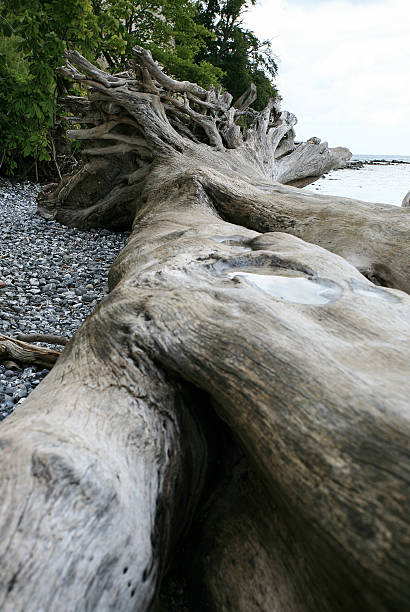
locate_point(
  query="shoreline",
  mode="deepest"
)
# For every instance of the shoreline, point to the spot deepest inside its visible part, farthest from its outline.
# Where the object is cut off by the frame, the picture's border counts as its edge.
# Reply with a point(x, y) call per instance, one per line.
point(378, 180)
point(360, 163)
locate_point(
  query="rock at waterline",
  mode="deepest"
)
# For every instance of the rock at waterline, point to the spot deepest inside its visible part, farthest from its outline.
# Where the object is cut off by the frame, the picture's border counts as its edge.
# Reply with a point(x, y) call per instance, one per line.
point(406, 200)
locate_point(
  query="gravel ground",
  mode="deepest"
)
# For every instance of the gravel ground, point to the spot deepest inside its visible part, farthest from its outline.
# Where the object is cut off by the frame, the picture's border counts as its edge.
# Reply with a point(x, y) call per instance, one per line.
point(51, 278)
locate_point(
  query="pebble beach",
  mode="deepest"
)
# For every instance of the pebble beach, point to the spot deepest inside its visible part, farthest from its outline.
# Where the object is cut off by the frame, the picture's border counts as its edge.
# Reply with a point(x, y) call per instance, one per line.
point(51, 278)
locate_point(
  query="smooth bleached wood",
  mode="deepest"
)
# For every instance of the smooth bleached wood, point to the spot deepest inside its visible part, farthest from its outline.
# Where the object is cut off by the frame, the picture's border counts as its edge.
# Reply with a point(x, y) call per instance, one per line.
point(97, 476)
point(238, 305)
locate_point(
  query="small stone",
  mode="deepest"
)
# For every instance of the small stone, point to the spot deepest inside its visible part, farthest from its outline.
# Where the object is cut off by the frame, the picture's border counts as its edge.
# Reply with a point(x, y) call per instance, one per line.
point(19, 394)
point(88, 297)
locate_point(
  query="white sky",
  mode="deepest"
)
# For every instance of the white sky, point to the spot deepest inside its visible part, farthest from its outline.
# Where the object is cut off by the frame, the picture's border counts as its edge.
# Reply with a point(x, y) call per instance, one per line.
point(344, 69)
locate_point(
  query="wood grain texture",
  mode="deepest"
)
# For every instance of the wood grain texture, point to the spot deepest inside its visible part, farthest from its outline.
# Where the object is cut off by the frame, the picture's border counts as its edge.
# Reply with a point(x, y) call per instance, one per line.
point(238, 295)
point(97, 478)
point(304, 388)
point(23, 352)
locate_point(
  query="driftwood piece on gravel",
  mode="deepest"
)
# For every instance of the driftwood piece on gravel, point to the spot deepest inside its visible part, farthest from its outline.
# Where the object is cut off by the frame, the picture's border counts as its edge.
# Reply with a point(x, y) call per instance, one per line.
point(238, 304)
point(22, 352)
point(46, 338)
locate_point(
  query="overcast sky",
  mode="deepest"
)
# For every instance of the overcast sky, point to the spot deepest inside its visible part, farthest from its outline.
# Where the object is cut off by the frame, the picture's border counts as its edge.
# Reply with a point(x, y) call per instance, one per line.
point(344, 69)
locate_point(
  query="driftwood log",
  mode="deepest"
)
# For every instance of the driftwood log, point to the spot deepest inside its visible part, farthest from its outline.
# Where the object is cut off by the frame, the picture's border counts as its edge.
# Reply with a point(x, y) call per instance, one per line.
point(16, 349)
point(247, 376)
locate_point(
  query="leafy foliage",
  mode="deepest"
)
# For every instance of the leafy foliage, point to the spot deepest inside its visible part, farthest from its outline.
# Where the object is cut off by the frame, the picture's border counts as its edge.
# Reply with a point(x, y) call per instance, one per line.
point(203, 42)
point(33, 36)
point(237, 51)
point(167, 27)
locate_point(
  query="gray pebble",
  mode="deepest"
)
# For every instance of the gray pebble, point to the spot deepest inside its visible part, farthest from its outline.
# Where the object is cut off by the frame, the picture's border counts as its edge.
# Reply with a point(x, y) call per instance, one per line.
point(88, 297)
point(19, 394)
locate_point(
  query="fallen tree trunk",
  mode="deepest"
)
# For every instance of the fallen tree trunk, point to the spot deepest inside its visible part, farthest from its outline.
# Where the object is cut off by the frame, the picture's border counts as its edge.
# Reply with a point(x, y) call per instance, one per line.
point(97, 479)
point(286, 341)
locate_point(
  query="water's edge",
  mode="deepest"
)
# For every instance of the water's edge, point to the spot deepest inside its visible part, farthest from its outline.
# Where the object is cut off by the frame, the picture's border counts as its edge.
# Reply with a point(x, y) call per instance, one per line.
point(381, 178)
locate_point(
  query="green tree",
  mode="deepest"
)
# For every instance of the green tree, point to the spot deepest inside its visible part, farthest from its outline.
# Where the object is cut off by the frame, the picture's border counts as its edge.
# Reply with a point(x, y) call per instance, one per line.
point(168, 28)
point(242, 57)
point(35, 33)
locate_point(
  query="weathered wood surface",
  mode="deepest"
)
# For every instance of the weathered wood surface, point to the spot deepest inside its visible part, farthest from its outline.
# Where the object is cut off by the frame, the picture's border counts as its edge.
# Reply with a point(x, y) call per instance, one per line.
point(22, 352)
point(97, 477)
point(129, 121)
point(373, 237)
point(47, 338)
point(304, 387)
point(309, 160)
point(235, 295)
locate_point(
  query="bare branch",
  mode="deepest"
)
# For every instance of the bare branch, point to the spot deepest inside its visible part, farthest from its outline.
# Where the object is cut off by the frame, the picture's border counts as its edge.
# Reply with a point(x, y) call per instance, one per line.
point(219, 99)
point(108, 80)
point(146, 60)
point(247, 98)
point(97, 132)
point(47, 338)
point(148, 82)
point(207, 123)
point(118, 149)
point(103, 132)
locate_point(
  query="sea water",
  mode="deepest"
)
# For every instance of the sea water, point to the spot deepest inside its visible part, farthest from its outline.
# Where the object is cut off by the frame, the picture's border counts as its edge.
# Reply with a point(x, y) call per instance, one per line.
point(385, 182)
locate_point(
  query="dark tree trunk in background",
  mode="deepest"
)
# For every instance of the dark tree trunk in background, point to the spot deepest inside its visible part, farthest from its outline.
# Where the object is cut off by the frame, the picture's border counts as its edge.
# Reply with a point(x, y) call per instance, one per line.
point(239, 297)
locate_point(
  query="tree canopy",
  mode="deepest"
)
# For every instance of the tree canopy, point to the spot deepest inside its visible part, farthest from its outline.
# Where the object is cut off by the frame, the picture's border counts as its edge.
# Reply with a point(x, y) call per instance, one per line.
point(204, 42)
point(242, 57)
